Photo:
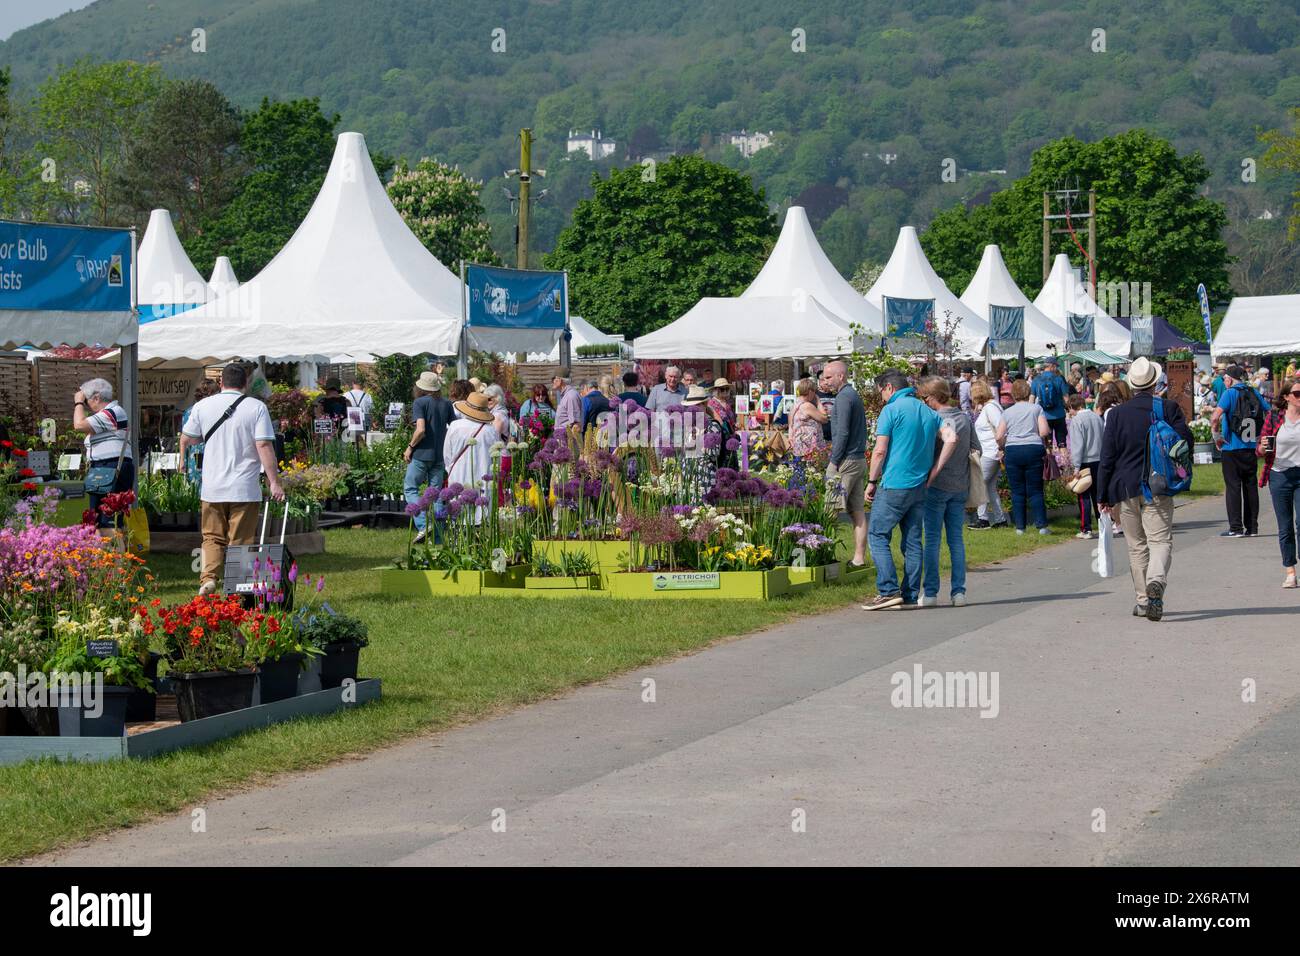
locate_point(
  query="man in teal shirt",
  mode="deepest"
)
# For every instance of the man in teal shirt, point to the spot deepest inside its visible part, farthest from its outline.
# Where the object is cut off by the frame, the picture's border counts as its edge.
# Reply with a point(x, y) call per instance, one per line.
point(902, 463)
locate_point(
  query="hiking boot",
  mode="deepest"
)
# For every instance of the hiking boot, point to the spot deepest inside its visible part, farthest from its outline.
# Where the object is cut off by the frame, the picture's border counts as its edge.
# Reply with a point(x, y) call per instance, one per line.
point(882, 601)
point(1155, 601)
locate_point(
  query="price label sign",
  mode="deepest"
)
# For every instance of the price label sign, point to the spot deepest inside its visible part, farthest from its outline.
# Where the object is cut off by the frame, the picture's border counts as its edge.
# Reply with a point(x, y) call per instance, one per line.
point(165, 461)
point(69, 462)
point(102, 648)
point(396, 408)
point(392, 421)
point(324, 426)
point(39, 462)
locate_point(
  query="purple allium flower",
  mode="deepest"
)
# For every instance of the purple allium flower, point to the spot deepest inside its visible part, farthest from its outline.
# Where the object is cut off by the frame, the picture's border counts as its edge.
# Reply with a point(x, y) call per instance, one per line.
point(733, 444)
point(413, 509)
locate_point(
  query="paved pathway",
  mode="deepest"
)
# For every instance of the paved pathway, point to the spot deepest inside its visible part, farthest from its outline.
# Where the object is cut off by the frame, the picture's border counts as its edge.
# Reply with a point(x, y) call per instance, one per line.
point(1097, 711)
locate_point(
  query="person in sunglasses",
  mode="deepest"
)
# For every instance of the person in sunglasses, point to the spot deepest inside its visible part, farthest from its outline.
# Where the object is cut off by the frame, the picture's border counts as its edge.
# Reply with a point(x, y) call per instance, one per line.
point(1279, 446)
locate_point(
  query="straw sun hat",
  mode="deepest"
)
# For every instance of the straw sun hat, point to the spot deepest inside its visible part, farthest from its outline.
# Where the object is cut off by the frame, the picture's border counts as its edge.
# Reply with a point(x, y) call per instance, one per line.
point(429, 382)
point(475, 408)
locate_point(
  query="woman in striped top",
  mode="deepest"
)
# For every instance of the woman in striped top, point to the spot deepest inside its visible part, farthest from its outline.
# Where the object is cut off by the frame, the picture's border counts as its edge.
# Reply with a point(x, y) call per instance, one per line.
point(105, 423)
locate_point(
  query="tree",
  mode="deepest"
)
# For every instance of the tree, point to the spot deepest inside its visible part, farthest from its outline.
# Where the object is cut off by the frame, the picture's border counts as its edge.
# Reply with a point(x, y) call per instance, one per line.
point(90, 115)
point(441, 206)
point(1153, 223)
point(1284, 154)
point(645, 248)
point(287, 147)
point(186, 159)
point(865, 275)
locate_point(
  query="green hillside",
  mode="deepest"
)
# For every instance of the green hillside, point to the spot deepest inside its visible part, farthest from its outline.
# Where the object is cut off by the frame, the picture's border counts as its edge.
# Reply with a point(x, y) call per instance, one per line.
point(862, 120)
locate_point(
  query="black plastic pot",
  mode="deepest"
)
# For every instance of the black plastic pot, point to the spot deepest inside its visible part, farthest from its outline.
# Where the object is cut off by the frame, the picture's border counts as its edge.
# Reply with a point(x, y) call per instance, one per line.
point(279, 679)
point(339, 663)
point(143, 704)
point(38, 721)
point(76, 721)
point(209, 693)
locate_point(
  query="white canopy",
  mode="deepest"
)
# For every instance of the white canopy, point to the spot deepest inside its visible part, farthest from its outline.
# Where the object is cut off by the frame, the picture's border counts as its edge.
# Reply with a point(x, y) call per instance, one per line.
point(166, 278)
point(223, 277)
point(992, 285)
point(352, 278)
point(1063, 293)
point(909, 275)
point(771, 327)
point(1259, 325)
point(798, 267)
point(584, 333)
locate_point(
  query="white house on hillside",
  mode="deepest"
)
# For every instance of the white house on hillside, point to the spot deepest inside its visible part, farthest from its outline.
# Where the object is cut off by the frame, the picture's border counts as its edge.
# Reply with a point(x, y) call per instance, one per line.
point(593, 144)
point(750, 143)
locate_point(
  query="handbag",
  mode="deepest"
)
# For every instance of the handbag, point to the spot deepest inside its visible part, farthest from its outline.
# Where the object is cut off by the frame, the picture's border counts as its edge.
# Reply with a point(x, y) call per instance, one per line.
point(102, 479)
point(977, 493)
point(1051, 467)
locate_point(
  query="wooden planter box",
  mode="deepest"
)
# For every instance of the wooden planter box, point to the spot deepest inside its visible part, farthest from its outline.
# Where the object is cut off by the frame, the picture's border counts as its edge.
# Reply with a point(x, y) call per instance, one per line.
point(718, 585)
point(805, 579)
point(606, 556)
point(443, 583)
point(582, 585)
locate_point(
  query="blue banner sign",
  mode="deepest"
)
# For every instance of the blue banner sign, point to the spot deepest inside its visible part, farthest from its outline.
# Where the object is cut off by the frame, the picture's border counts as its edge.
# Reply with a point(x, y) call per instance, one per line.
point(1081, 333)
point(1006, 329)
point(64, 268)
point(1205, 310)
point(514, 298)
point(908, 317)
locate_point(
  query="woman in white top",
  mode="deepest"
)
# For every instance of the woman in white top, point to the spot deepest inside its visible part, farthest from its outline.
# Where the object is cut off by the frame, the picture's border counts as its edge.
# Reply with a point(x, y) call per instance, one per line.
point(988, 416)
point(467, 451)
point(1279, 446)
point(107, 438)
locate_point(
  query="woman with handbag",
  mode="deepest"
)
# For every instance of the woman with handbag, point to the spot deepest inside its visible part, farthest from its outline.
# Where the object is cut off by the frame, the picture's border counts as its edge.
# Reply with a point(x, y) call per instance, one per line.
point(111, 467)
point(988, 416)
point(1021, 435)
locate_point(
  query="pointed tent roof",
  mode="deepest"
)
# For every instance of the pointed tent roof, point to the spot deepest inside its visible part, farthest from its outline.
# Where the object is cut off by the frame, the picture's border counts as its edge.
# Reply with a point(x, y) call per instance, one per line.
point(761, 327)
point(1063, 293)
point(223, 277)
point(909, 275)
point(797, 262)
point(353, 277)
point(167, 281)
point(992, 285)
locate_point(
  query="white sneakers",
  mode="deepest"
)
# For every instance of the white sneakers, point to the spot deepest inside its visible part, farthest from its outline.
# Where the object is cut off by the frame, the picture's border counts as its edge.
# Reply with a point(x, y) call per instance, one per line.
point(959, 599)
point(1289, 581)
point(207, 587)
point(929, 601)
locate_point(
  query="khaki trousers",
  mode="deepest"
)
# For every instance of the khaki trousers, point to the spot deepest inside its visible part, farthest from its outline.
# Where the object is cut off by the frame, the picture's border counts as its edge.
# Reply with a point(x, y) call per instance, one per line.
point(1149, 532)
point(223, 523)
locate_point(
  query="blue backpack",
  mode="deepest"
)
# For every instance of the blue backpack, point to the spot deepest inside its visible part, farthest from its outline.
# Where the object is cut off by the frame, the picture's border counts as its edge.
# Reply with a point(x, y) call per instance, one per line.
point(1168, 467)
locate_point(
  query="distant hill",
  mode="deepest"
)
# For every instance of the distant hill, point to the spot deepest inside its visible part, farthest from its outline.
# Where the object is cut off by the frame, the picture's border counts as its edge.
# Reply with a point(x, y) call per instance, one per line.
point(861, 121)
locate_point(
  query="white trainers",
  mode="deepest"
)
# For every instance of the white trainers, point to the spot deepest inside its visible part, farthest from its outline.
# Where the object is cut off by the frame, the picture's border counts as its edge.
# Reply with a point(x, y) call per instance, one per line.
point(207, 587)
point(1085, 535)
point(1020, 531)
point(1044, 530)
point(959, 599)
point(1289, 581)
point(929, 601)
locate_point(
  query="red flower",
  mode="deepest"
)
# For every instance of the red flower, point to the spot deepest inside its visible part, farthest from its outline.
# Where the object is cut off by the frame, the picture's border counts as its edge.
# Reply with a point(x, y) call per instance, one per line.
point(29, 486)
point(26, 473)
point(20, 453)
point(6, 444)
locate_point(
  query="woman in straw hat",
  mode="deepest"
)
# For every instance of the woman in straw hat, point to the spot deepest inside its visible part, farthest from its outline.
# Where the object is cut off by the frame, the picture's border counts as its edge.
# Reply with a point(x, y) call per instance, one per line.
point(467, 449)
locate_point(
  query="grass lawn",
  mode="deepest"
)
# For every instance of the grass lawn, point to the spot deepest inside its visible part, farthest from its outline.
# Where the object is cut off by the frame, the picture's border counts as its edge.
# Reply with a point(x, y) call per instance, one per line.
point(443, 661)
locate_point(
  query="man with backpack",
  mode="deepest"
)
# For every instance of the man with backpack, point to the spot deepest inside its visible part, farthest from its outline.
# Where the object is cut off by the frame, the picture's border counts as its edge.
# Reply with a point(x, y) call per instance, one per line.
point(1241, 410)
point(1050, 390)
point(1145, 461)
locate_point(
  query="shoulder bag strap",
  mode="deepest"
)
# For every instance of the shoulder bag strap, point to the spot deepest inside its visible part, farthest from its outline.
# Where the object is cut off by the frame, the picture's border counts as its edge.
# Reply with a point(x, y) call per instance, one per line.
point(455, 461)
point(230, 410)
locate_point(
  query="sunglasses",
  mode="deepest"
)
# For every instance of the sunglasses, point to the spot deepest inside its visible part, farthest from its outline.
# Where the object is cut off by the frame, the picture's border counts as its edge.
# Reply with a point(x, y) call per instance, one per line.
point(1294, 393)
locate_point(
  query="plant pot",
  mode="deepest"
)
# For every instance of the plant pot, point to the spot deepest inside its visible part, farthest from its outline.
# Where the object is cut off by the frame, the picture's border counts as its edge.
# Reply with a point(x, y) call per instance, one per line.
point(75, 720)
point(309, 676)
point(39, 721)
point(143, 704)
point(209, 693)
point(279, 678)
point(338, 664)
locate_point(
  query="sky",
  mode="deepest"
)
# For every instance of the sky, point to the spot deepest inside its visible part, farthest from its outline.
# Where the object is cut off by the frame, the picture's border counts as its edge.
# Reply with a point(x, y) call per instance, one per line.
point(16, 14)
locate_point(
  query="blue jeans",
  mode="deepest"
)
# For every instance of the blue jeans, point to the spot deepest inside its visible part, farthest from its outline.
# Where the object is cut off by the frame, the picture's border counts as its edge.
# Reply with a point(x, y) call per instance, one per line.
point(420, 473)
point(1024, 465)
point(902, 508)
point(1284, 486)
point(945, 510)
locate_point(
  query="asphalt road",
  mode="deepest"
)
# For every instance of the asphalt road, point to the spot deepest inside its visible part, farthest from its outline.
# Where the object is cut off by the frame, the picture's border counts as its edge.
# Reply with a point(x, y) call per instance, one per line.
point(1115, 740)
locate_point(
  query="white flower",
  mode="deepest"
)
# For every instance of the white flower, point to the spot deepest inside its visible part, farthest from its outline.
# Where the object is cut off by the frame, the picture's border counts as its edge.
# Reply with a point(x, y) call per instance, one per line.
point(472, 441)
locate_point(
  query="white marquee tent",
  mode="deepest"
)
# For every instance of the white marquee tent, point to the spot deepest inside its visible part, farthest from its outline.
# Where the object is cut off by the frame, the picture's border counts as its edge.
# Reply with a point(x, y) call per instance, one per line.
point(773, 327)
point(798, 306)
point(992, 285)
point(353, 277)
point(167, 281)
point(584, 333)
point(909, 275)
point(1259, 325)
point(1063, 293)
point(223, 279)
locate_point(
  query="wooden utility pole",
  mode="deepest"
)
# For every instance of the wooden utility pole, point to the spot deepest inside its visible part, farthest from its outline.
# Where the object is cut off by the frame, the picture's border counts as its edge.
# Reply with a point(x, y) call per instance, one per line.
point(525, 177)
point(1064, 198)
point(1047, 236)
point(1092, 242)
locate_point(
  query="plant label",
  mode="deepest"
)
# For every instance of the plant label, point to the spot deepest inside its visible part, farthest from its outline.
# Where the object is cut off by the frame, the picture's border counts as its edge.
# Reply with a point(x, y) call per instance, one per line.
point(102, 648)
point(69, 462)
point(323, 426)
point(164, 461)
point(391, 421)
point(39, 462)
point(396, 408)
point(767, 404)
point(786, 406)
point(742, 404)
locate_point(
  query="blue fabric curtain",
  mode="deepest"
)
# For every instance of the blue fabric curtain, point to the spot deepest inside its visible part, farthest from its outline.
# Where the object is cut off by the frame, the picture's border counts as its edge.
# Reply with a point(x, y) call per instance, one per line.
point(908, 316)
point(1143, 329)
point(1081, 335)
point(1007, 328)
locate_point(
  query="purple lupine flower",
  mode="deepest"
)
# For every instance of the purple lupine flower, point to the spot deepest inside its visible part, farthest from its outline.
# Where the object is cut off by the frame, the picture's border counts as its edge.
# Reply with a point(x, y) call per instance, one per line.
point(320, 583)
point(293, 573)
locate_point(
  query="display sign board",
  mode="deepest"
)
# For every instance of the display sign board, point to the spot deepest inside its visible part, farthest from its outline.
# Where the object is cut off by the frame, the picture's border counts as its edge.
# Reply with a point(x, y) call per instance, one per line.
point(786, 406)
point(104, 648)
point(687, 581)
point(164, 461)
point(514, 298)
point(1006, 329)
point(323, 426)
point(392, 421)
point(39, 462)
point(69, 463)
point(175, 387)
point(64, 268)
point(1142, 328)
point(742, 404)
point(1081, 332)
point(908, 317)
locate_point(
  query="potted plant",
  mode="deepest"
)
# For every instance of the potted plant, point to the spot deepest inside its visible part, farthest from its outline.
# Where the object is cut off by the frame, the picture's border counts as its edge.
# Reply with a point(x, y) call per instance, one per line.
point(337, 637)
point(276, 643)
point(572, 570)
point(25, 646)
point(105, 652)
point(208, 664)
point(1203, 434)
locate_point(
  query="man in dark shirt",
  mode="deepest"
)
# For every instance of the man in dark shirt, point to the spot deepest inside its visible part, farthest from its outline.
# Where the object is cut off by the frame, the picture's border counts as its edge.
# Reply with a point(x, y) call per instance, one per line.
point(332, 404)
point(1148, 525)
point(431, 414)
point(826, 401)
point(594, 404)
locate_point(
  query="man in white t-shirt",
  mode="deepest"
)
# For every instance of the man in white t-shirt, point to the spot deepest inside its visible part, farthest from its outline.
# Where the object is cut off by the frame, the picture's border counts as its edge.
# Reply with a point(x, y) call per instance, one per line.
point(239, 444)
point(358, 397)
